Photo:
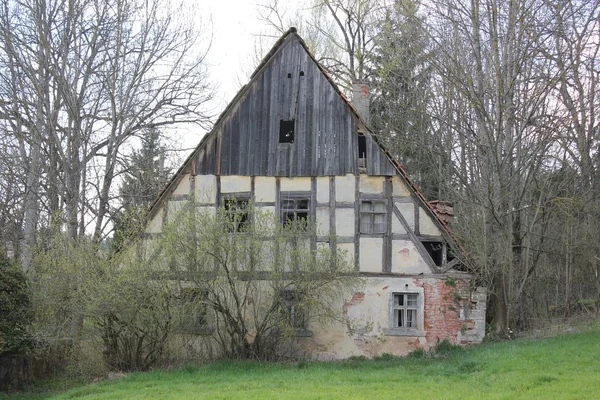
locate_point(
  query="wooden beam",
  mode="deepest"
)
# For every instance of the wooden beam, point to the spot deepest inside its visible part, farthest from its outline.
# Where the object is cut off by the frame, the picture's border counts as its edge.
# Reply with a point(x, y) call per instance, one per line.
point(420, 248)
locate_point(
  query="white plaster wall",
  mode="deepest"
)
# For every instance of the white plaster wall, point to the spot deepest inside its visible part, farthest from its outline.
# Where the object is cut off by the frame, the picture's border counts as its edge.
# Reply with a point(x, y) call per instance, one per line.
point(399, 188)
point(366, 314)
point(323, 189)
point(371, 184)
point(408, 212)
point(371, 253)
point(426, 224)
point(183, 187)
point(296, 184)
point(174, 208)
point(233, 183)
point(322, 221)
point(155, 225)
point(344, 222)
point(206, 188)
point(397, 226)
point(406, 259)
point(345, 188)
point(347, 250)
point(264, 189)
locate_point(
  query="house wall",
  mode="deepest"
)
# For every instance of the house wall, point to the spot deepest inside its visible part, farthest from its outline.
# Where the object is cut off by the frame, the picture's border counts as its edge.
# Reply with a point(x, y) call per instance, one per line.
point(452, 311)
point(391, 262)
point(336, 209)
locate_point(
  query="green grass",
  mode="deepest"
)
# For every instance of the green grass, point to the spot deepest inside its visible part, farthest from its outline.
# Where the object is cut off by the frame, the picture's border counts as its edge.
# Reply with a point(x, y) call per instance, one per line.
point(565, 367)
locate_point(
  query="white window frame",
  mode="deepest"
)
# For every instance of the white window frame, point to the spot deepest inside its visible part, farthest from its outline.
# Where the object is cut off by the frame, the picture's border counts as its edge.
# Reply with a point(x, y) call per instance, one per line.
point(419, 328)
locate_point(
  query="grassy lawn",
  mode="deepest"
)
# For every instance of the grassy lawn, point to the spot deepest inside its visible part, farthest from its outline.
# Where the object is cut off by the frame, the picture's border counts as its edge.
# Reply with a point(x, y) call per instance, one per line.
point(565, 367)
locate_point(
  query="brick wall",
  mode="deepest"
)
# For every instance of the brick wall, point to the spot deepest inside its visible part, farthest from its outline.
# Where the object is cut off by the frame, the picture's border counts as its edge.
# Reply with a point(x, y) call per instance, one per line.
point(453, 311)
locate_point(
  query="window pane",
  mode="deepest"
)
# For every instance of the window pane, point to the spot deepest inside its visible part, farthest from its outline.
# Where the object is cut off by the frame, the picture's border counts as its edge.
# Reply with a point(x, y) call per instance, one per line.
point(411, 300)
point(411, 318)
point(302, 204)
point(365, 223)
point(379, 223)
point(287, 204)
point(366, 206)
point(399, 299)
point(400, 318)
point(379, 206)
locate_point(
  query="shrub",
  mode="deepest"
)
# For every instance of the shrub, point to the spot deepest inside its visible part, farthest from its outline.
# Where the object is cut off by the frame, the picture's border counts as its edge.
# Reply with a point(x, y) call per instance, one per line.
point(15, 308)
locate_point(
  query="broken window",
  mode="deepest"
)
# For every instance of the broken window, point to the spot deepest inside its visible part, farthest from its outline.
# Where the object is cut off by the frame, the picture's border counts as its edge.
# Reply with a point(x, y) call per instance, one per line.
point(436, 251)
point(373, 216)
point(291, 308)
point(294, 211)
point(237, 216)
point(362, 151)
point(286, 131)
point(405, 310)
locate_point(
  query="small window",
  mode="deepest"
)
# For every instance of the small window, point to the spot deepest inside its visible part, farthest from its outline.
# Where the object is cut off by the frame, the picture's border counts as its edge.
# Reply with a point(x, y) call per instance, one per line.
point(291, 309)
point(362, 151)
point(436, 251)
point(294, 210)
point(373, 217)
point(286, 131)
point(237, 215)
point(405, 309)
point(193, 313)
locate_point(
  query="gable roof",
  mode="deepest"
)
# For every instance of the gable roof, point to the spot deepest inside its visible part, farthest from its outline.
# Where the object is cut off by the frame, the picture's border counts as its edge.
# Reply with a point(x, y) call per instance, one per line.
point(289, 35)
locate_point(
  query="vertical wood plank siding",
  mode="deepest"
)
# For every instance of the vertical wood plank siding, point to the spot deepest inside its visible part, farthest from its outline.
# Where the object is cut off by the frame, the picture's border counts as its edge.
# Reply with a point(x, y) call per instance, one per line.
point(325, 142)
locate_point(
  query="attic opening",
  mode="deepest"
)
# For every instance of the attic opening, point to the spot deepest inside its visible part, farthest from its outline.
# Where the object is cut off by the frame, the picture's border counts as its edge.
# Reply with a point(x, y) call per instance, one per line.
point(436, 251)
point(287, 130)
point(362, 150)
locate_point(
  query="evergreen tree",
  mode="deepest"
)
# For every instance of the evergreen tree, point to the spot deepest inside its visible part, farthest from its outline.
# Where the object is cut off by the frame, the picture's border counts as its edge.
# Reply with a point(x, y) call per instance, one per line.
point(402, 91)
point(142, 182)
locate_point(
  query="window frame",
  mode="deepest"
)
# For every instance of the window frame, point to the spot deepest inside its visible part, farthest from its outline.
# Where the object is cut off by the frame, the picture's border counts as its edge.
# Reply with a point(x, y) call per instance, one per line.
point(371, 214)
point(194, 312)
point(418, 328)
point(244, 223)
point(295, 197)
point(288, 299)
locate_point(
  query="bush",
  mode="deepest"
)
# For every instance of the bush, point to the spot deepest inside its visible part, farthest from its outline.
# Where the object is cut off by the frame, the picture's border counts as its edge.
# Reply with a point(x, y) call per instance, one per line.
point(15, 308)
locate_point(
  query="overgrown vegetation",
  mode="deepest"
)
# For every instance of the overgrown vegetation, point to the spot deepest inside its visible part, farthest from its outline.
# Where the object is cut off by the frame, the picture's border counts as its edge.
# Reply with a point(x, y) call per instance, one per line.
point(15, 308)
point(257, 283)
point(562, 367)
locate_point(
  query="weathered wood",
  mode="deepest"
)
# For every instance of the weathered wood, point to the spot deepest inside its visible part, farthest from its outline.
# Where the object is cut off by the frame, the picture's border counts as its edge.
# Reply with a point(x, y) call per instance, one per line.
point(332, 229)
point(387, 240)
point(325, 141)
point(357, 222)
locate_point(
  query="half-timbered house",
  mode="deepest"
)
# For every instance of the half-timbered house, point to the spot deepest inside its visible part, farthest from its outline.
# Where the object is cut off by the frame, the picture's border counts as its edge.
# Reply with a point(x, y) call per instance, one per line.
point(292, 143)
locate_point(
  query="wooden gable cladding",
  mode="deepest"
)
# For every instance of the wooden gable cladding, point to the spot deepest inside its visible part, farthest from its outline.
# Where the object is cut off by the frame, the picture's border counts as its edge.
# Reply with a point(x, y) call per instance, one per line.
point(289, 86)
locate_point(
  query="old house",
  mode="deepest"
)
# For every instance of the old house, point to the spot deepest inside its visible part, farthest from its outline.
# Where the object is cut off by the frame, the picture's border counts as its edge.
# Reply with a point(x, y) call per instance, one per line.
point(292, 143)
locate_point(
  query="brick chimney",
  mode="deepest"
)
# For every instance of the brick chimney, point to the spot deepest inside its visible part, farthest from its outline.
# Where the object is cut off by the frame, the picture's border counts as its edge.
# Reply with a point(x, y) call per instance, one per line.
point(361, 99)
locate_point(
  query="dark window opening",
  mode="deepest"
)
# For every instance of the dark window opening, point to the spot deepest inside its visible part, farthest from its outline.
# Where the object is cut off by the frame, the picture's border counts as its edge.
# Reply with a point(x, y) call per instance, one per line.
point(436, 251)
point(291, 308)
point(286, 131)
point(301, 73)
point(289, 74)
point(193, 312)
point(236, 212)
point(294, 211)
point(362, 150)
